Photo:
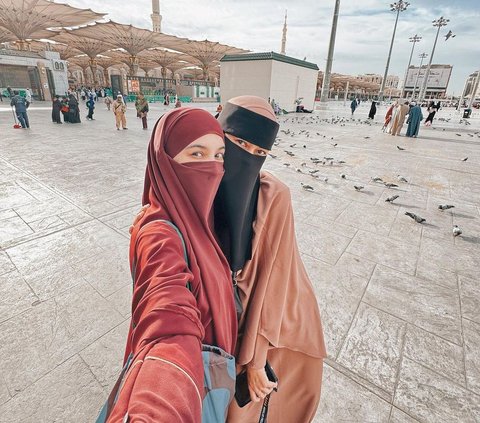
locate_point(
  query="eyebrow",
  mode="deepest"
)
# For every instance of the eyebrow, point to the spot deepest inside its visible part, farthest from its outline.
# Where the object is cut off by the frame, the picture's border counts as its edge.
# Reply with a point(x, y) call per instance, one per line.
point(202, 147)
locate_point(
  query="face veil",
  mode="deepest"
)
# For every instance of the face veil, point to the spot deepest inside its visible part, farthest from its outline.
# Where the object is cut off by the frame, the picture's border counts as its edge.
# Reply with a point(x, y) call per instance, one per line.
point(236, 200)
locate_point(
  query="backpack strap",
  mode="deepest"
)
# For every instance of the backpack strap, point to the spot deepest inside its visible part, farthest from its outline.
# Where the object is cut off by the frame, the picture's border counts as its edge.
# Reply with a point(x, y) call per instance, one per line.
point(172, 225)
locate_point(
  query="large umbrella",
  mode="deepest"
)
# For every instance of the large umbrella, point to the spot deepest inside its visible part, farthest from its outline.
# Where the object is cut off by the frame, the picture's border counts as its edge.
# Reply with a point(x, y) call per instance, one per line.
point(130, 38)
point(25, 19)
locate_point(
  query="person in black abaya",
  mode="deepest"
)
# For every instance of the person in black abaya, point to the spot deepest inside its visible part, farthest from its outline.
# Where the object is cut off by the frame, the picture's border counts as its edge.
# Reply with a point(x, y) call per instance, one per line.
point(73, 110)
point(373, 110)
point(56, 107)
point(432, 110)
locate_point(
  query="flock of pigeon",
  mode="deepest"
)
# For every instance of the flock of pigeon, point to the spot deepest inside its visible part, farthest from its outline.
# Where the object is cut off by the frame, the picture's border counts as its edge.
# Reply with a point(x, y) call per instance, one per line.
point(285, 142)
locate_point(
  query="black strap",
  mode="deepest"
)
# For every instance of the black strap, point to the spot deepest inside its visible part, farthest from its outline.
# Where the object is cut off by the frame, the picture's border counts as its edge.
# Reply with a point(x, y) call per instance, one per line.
point(264, 411)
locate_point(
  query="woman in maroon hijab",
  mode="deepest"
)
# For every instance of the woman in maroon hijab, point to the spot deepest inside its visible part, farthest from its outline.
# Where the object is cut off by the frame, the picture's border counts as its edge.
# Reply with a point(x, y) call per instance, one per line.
point(175, 305)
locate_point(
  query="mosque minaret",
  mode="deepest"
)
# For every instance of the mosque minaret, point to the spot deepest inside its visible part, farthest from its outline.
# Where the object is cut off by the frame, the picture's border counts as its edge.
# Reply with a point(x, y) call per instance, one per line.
point(156, 17)
point(284, 37)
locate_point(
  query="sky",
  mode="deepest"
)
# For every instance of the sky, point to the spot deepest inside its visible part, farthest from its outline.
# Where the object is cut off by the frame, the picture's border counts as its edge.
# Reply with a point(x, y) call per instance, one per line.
point(363, 35)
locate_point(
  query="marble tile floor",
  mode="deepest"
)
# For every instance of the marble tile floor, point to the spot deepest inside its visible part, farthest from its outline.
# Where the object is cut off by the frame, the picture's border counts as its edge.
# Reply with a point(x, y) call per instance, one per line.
point(400, 301)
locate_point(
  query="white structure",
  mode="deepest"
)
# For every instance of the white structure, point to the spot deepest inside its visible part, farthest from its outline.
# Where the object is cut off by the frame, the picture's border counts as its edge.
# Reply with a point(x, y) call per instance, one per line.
point(156, 16)
point(43, 72)
point(272, 76)
point(437, 84)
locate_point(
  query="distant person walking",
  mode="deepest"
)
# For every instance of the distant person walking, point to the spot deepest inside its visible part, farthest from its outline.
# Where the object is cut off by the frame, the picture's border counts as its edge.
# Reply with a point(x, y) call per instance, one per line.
point(399, 118)
point(141, 104)
point(56, 107)
point(28, 96)
point(108, 101)
point(353, 106)
point(388, 117)
point(414, 119)
point(20, 104)
point(373, 110)
point(91, 106)
point(432, 110)
point(73, 110)
point(119, 110)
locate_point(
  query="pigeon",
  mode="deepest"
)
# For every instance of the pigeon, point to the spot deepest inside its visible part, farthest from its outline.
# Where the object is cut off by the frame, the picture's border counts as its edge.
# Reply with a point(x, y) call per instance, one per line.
point(272, 155)
point(341, 161)
point(402, 179)
point(307, 187)
point(328, 158)
point(313, 171)
point(293, 145)
point(449, 34)
point(366, 138)
point(286, 164)
point(289, 153)
point(391, 199)
point(377, 179)
point(415, 217)
point(303, 164)
point(458, 135)
point(337, 144)
point(314, 159)
point(298, 170)
point(343, 176)
point(390, 185)
point(358, 187)
point(456, 230)
point(400, 148)
point(304, 145)
point(325, 179)
point(465, 159)
point(443, 207)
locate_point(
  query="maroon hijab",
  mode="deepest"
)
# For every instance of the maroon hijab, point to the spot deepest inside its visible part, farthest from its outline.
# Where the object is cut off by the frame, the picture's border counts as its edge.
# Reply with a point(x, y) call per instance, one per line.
point(184, 194)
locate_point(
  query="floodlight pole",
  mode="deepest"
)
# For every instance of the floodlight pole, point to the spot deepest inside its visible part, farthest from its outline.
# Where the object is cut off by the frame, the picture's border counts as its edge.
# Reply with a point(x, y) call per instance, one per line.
point(415, 39)
point(441, 21)
point(398, 6)
point(331, 48)
point(422, 56)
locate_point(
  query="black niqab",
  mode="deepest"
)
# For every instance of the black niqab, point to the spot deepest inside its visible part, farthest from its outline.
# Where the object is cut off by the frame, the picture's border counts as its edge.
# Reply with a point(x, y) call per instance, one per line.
point(236, 200)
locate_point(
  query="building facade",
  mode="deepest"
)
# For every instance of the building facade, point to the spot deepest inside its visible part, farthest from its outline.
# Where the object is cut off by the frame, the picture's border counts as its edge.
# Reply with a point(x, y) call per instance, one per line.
point(437, 84)
point(44, 73)
point(470, 84)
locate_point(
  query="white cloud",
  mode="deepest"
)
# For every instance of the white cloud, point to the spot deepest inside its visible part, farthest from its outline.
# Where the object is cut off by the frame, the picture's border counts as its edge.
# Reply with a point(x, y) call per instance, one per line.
point(363, 35)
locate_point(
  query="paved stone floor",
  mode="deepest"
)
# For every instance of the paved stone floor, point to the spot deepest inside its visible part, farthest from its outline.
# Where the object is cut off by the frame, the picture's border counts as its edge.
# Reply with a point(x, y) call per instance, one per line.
point(400, 301)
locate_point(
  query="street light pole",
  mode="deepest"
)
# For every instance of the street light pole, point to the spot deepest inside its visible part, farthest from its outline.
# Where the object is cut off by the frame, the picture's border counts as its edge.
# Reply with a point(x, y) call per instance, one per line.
point(415, 39)
point(441, 21)
point(398, 6)
point(422, 56)
point(331, 48)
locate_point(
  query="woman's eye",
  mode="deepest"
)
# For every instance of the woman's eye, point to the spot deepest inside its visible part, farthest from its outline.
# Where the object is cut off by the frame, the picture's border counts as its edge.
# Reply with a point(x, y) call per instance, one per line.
point(261, 153)
point(197, 154)
point(219, 156)
point(242, 143)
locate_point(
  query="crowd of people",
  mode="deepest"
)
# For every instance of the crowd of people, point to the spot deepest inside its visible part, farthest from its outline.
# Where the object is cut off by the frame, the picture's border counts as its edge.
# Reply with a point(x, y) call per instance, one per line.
point(398, 111)
point(396, 114)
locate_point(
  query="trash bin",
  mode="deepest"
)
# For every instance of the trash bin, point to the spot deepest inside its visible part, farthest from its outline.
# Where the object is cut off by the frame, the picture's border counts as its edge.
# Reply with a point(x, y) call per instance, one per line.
point(467, 113)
